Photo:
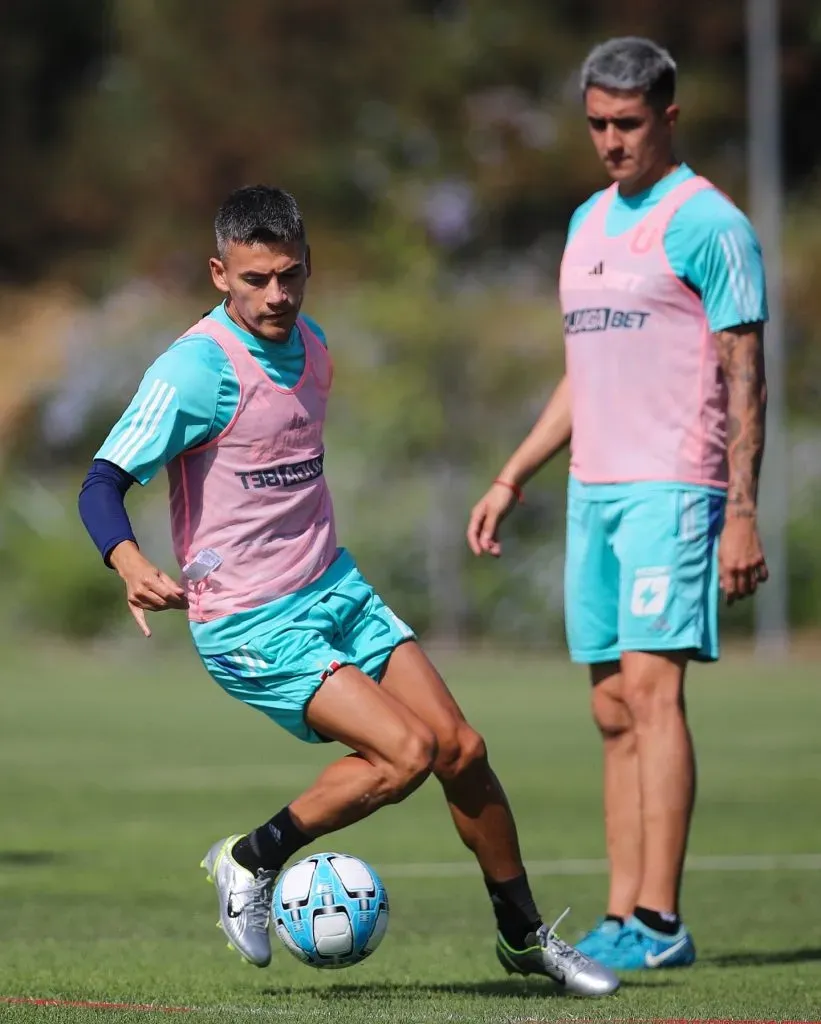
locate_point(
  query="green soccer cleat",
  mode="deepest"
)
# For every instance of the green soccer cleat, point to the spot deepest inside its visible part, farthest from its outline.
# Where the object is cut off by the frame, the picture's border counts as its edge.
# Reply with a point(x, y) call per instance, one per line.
point(548, 955)
point(244, 902)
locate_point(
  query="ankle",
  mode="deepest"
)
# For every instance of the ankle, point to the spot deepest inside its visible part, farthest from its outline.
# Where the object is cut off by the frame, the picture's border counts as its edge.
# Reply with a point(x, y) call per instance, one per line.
point(268, 847)
point(663, 921)
point(515, 910)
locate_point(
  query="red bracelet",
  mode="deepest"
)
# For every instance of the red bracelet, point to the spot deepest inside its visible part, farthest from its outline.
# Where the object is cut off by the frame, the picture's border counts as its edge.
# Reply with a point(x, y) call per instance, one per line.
point(517, 490)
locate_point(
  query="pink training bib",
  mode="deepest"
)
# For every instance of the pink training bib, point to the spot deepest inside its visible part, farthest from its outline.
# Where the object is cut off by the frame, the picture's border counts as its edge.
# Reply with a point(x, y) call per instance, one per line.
point(649, 401)
point(256, 494)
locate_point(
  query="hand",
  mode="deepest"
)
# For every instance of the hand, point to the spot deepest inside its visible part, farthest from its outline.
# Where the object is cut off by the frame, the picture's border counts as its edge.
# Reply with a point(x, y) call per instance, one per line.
point(486, 518)
point(147, 587)
point(741, 562)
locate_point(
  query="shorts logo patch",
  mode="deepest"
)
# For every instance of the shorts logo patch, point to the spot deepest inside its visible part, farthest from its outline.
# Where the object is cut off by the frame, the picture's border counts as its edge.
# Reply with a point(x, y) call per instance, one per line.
point(651, 588)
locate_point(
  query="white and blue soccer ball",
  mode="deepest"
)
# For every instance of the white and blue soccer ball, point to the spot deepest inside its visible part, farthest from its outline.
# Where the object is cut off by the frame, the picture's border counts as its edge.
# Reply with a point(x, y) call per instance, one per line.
point(330, 910)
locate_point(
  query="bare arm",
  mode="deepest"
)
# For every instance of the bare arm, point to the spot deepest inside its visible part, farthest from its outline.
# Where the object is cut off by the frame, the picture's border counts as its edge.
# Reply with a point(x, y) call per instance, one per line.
point(741, 558)
point(741, 356)
point(549, 435)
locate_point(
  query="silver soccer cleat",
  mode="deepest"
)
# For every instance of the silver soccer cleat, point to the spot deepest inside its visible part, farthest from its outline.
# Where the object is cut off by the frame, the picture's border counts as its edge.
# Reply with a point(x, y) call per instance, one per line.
point(548, 955)
point(244, 902)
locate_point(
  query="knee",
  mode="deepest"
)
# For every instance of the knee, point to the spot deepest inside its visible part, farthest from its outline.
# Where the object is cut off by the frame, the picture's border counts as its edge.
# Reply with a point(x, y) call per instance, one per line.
point(652, 690)
point(611, 715)
point(461, 751)
point(412, 765)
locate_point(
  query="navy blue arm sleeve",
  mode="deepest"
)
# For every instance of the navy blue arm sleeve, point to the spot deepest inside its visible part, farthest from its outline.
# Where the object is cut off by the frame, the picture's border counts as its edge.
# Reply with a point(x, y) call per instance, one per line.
point(102, 506)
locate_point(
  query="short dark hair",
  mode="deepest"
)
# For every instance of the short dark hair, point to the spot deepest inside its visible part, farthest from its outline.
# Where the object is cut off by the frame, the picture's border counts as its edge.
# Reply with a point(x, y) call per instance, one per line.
point(632, 64)
point(258, 213)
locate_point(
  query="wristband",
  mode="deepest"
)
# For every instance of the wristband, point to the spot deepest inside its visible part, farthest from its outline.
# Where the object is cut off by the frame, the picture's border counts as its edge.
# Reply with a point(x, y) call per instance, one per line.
point(517, 490)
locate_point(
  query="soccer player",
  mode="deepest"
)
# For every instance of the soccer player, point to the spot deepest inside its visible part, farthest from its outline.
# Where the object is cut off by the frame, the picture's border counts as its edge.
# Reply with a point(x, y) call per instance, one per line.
point(663, 296)
point(279, 614)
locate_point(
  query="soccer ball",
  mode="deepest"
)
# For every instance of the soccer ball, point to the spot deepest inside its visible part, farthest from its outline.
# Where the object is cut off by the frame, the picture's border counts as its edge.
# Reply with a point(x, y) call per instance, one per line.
point(330, 910)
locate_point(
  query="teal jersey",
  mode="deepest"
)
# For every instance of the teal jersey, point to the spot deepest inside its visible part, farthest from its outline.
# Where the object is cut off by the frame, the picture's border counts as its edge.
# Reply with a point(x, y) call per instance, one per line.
point(627, 491)
point(187, 397)
point(709, 243)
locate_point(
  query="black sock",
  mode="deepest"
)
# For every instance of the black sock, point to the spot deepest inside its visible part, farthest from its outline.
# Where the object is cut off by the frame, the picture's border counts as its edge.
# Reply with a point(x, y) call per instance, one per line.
point(659, 920)
point(614, 917)
point(269, 846)
point(516, 913)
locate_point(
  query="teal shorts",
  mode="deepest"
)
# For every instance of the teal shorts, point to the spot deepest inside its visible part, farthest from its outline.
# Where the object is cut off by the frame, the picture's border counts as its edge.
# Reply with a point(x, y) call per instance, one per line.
point(641, 570)
point(279, 672)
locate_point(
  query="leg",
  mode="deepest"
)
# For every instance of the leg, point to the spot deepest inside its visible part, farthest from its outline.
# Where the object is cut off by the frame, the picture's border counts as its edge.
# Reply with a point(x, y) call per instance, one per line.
point(653, 688)
point(622, 792)
point(475, 797)
point(383, 646)
point(485, 823)
point(394, 753)
point(668, 612)
point(591, 585)
point(665, 544)
point(305, 679)
point(651, 693)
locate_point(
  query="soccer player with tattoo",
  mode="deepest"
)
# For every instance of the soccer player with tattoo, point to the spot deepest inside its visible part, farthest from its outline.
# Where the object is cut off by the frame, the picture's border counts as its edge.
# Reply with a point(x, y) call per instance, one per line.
point(663, 295)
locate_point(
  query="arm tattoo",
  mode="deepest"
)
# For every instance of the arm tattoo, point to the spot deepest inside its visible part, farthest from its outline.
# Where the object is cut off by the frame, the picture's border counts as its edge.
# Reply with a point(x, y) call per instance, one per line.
point(741, 356)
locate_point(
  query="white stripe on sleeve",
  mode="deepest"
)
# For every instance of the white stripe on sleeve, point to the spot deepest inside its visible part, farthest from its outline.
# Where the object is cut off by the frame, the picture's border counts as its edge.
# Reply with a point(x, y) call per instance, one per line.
point(138, 420)
point(740, 283)
point(152, 419)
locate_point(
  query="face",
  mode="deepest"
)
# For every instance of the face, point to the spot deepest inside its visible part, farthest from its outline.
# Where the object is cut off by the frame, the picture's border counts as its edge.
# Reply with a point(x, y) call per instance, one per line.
point(265, 285)
point(634, 141)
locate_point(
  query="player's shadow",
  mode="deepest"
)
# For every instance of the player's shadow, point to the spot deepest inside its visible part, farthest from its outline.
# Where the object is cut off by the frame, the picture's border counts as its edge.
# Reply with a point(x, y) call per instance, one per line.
point(510, 989)
point(29, 858)
point(778, 956)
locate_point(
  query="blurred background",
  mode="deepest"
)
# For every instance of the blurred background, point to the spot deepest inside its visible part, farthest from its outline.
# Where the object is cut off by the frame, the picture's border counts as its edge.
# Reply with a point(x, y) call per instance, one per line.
point(438, 148)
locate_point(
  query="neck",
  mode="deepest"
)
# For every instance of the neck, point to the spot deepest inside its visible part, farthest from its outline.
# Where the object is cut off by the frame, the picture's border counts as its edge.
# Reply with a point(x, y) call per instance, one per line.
point(651, 177)
point(234, 315)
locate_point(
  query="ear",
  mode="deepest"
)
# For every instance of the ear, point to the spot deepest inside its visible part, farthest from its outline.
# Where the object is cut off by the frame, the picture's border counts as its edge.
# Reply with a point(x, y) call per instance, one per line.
point(308, 260)
point(218, 275)
point(671, 114)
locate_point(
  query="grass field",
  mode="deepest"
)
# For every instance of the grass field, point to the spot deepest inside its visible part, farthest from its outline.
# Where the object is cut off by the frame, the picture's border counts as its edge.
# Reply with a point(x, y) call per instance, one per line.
point(117, 773)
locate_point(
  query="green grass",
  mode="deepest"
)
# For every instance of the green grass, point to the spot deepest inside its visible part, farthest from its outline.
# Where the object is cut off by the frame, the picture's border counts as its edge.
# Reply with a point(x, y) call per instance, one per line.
point(117, 773)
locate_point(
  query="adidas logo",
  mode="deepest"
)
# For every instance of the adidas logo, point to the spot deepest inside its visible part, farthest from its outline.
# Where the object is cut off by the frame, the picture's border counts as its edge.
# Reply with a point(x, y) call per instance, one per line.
point(598, 268)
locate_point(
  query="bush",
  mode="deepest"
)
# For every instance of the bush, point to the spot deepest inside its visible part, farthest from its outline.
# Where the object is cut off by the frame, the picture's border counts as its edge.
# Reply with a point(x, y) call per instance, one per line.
point(59, 584)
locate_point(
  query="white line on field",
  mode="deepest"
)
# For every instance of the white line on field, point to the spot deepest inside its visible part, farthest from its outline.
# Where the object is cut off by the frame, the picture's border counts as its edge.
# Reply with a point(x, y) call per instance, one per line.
point(735, 863)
